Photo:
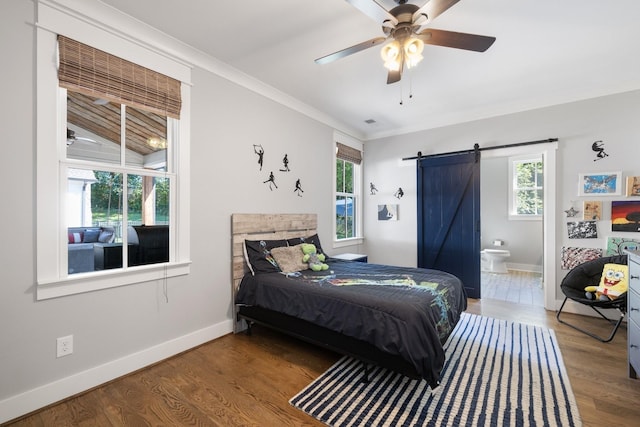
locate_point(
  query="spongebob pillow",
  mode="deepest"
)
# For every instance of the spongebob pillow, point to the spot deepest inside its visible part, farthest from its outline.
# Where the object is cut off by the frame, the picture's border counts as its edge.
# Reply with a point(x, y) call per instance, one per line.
point(614, 281)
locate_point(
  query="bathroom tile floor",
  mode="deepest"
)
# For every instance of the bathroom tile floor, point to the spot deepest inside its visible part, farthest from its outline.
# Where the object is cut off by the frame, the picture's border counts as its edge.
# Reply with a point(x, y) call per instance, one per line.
point(522, 287)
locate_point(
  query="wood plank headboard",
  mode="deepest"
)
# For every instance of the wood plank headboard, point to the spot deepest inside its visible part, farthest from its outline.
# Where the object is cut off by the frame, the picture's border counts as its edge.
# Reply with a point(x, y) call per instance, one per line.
point(263, 226)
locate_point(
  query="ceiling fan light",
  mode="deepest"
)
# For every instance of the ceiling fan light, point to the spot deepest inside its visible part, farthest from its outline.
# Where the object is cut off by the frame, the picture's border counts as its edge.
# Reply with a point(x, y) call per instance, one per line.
point(413, 52)
point(157, 143)
point(391, 53)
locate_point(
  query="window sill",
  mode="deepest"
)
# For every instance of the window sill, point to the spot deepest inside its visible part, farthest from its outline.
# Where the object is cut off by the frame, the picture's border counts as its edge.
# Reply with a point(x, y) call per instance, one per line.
point(525, 217)
point(348, 242)
point(88, 282)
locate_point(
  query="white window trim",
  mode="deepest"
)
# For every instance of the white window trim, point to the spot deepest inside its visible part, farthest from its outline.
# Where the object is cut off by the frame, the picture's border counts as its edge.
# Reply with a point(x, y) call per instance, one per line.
point(512, 178)
point(341, 138)
point(51, 252)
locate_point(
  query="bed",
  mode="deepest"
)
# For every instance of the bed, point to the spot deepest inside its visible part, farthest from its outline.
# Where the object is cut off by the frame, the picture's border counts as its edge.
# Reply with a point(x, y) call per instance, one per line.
point(394, 317)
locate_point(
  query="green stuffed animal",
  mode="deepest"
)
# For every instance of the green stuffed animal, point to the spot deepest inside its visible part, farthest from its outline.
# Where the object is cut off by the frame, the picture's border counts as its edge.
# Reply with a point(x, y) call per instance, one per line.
point(313, 258)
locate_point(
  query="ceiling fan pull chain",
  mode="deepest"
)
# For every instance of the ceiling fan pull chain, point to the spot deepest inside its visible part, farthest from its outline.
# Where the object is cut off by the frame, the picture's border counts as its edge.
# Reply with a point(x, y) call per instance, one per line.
point(401, 102)
point(410, 85)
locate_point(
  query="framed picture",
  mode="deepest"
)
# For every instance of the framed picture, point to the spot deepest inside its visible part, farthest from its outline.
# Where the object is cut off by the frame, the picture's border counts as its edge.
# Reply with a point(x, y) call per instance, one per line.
point(582, 230)
point(625, 215)
point(592, 210)
point(633, 186)
point(600, 184)
point(387, 212)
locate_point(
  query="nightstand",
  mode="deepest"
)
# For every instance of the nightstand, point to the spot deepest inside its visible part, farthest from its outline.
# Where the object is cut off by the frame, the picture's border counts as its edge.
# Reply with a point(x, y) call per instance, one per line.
point(351, 257)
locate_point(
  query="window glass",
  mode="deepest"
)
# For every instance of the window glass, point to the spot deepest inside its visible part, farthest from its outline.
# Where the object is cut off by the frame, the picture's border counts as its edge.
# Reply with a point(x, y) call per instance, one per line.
point(123, 192)
point(345, 200)
point(93, 129)
point(527, 188)
point(146, 139)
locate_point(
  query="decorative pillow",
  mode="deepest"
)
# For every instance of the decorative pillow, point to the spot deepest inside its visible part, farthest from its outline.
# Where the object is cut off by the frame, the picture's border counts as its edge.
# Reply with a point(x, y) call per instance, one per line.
point(76, 237)
point(258, 255)
point(132, 236)
point(91, 235)
point(614, 281)
point(289, 258)
point(311, 239)
point(106, 235)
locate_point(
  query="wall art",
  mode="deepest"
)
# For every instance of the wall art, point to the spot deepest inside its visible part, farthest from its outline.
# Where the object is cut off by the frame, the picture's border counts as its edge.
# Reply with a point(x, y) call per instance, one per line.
point(592, 210)
point(571, 257)
point(298, 190)
point(625, 215)
point(387, 212)
point(598, 147)
point(617, 245)
point(633, 186)
point(257, 148)
point(285, 163)
point(399, 193)
point(582, 230)
point(571, 212)
point(600, 184)
point(372, 188)
point(271, 181)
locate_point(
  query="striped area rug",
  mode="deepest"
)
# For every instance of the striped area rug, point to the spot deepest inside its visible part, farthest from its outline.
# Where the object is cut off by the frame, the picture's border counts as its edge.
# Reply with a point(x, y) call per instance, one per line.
point(497, 373)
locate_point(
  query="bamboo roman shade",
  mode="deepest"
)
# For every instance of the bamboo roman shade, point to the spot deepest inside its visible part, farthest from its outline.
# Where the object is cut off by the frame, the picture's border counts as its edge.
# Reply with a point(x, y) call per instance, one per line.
point(349, 154)
point(99, 74)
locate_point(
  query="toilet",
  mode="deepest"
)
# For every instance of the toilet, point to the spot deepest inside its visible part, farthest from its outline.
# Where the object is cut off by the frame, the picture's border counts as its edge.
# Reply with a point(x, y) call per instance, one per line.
point(494, 260)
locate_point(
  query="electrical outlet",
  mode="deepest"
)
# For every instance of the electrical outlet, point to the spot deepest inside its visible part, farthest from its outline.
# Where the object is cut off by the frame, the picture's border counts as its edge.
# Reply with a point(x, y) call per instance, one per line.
point(64, 346)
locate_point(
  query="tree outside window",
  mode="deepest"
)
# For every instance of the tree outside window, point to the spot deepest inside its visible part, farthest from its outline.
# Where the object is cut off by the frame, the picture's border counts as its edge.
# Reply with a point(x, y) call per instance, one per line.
point(345, 200)
point(527, 193)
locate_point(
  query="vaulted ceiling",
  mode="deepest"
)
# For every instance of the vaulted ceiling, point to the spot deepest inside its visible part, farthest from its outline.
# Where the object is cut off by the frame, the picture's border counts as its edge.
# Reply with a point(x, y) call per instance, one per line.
point(546, 53)
point(103, 119)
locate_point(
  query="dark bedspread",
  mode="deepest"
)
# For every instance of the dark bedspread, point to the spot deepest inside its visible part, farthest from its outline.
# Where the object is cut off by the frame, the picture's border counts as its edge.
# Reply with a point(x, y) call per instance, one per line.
point(404, 311)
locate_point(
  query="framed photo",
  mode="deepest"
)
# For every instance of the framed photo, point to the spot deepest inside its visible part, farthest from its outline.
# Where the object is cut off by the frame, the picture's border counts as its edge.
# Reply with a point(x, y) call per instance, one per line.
point(387, 212)
point(600, 184)
point(582, 230)
point(633, 186)
point(592, 210)
point(625, 215)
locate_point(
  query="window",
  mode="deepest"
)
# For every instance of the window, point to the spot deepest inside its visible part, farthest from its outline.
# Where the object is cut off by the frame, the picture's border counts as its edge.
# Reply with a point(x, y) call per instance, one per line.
point(110, 151)
point(347, 192)
point(119, 181)
point(526, 188)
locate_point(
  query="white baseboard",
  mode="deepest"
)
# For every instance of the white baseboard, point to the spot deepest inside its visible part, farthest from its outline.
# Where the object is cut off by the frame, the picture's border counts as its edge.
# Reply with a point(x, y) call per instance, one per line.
point(56, 391)
point(524, 267)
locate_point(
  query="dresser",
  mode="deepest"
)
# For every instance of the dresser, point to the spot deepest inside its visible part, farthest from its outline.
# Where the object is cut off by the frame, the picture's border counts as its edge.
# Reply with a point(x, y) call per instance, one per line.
point(633, 310)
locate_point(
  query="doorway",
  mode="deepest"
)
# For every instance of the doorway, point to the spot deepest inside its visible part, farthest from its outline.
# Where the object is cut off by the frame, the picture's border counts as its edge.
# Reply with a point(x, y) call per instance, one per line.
point(530, 242)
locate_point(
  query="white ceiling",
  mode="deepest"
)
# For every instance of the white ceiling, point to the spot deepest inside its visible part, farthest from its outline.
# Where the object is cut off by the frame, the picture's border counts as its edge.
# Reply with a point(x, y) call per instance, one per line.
point(547, 52)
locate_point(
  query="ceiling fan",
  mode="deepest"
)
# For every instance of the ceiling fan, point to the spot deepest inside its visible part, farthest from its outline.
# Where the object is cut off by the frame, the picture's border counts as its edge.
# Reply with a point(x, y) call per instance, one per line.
point(403, 29)
point(71, 138)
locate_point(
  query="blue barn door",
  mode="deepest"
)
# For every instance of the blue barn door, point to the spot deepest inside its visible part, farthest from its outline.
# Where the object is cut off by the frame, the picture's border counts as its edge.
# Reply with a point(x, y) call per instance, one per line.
point(449, 216)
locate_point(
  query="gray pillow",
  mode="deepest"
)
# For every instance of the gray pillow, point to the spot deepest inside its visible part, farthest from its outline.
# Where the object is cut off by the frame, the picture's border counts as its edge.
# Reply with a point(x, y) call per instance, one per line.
point(91, 235)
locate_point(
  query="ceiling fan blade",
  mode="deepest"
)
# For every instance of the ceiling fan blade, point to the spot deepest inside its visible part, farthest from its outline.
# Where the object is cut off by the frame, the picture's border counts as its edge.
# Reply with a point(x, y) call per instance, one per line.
point(431, 10)
point(89, 140)
point(394, 76)
point(350, 50)
point(374, 11)
point(464, 41)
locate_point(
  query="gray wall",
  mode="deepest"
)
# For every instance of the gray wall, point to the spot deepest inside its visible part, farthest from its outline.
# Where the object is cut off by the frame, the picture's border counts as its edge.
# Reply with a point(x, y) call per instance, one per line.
point(114, 327)
point(577, 125)
point(522, 238)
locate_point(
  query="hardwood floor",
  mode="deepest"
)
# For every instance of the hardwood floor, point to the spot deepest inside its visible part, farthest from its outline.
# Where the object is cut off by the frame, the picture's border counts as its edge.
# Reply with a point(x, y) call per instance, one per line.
point(240, 380)
point(521, 287)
